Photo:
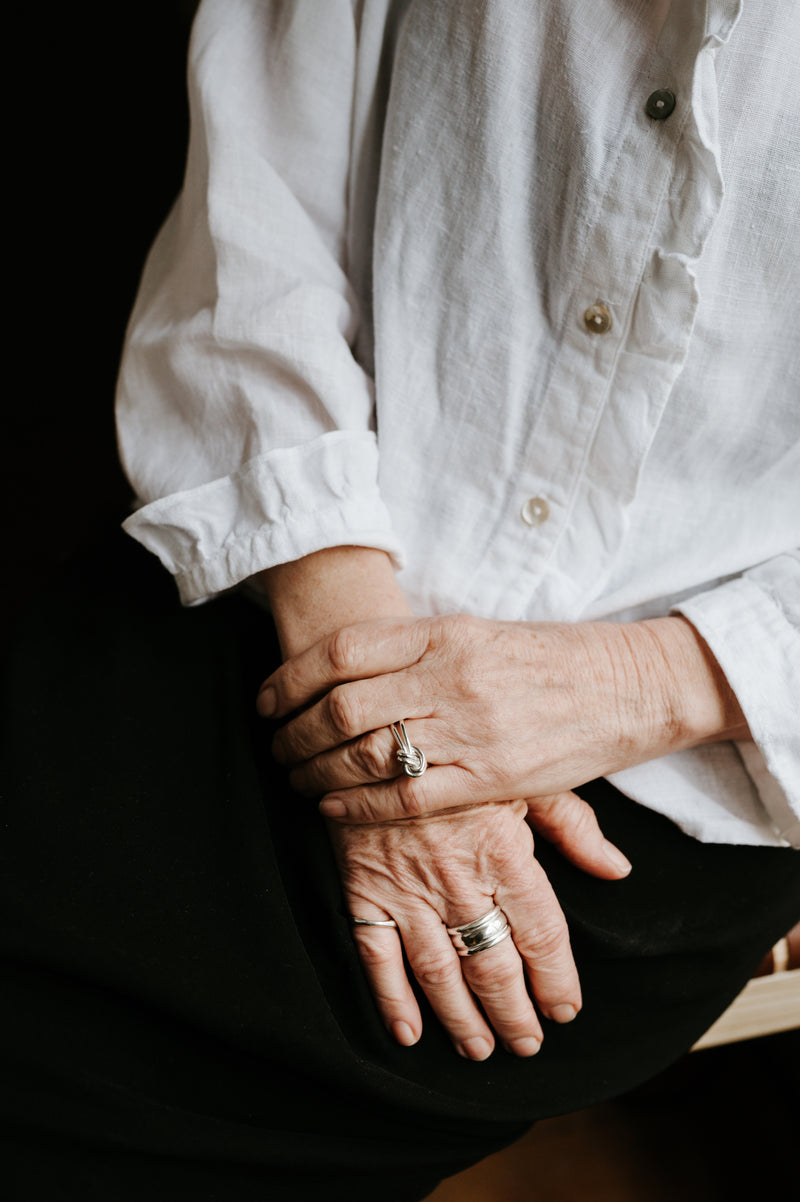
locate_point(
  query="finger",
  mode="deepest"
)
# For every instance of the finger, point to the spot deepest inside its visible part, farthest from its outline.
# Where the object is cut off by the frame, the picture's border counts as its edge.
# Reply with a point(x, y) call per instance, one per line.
point(541, 938)
point(352, 653)
point(496, 976)
point(437, 968)
point(367, 760)
point(443, 787)
point(381, 955)
point(570, 823)
point(347, 712)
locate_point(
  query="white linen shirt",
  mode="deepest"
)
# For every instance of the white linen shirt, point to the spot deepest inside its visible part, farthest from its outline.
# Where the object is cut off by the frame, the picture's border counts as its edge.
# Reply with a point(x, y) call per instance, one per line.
point(439, 283)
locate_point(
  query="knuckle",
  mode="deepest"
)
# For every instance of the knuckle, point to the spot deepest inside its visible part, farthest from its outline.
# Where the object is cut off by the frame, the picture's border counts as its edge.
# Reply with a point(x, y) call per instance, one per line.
point(344, 711)
point(413, 798)
point(344, 651)
point(550, 939)
point(436, 975)
point(491, 975)
point(511, 861)
point(365, 812)
point(289, 682)
point(578, 815)
point(371, 756)
point(375, 952)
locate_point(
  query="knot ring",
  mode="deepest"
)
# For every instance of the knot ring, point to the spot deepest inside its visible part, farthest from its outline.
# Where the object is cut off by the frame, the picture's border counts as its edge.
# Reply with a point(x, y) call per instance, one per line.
point(411, 759)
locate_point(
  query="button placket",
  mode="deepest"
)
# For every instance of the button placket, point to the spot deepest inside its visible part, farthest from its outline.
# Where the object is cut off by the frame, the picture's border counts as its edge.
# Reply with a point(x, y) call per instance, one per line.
point(583, 404)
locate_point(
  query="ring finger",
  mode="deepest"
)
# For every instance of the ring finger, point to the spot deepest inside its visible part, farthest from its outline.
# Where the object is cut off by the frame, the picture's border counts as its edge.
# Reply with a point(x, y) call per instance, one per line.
point(497, 978)
point(494, 976)
point(364, 761)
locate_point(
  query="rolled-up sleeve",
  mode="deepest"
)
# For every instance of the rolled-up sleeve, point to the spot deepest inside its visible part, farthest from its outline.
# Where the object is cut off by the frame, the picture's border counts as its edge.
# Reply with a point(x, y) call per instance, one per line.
point(752, 626)
point(246, 424)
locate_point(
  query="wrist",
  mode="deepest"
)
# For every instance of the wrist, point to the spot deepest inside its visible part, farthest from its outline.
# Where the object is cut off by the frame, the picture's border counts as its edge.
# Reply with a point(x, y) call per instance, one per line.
point(320, 593)
point(697, 703)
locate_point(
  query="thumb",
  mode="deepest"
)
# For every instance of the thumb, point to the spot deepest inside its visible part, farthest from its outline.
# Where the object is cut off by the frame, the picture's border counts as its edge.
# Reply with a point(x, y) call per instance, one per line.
point(569, 823)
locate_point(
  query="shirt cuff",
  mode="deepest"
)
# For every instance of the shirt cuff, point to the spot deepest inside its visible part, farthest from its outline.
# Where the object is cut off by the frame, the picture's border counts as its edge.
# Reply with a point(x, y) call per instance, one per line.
point(752, 637)
point(276, 508)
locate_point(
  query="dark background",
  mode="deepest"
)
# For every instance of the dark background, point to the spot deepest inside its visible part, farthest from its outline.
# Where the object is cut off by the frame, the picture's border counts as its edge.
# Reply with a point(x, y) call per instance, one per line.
point(97, 131)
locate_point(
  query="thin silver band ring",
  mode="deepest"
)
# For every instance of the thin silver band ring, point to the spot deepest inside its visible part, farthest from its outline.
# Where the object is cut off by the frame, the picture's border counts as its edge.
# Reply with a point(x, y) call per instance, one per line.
point(372, 922)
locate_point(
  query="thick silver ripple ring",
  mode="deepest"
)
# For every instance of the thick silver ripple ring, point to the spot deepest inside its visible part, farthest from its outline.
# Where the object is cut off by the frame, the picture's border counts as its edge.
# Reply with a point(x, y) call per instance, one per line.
point(481, 933)
point(411, 759)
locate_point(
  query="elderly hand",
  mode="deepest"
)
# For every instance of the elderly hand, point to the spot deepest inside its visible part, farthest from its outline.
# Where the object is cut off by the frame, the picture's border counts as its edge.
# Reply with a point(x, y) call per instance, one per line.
point(501, 709)
point(442, 871)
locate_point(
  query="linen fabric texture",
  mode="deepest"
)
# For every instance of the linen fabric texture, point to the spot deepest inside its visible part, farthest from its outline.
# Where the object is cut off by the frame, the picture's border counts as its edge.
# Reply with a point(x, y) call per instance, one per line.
point(363, 323)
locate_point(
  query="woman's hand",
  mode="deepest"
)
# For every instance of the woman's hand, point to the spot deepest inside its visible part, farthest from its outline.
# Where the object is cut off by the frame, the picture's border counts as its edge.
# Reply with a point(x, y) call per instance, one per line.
point(500, 709)
point(446, 870)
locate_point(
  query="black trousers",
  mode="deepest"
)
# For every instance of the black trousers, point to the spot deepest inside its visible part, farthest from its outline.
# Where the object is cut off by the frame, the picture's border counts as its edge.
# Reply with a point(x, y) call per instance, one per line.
point(182, 1012)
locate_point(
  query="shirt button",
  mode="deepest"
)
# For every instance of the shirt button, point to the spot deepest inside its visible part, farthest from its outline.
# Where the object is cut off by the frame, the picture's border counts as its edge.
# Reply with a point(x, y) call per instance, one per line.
point(597, 318)
point(535, 511)
point(660, 104)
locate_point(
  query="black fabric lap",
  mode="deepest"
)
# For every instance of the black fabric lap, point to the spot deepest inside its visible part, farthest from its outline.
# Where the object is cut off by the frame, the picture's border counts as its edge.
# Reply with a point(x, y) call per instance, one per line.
point(183, 1011)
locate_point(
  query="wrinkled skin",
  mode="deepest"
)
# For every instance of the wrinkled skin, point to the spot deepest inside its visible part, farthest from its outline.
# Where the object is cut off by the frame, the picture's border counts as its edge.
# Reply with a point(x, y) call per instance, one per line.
point(504, 711)
point(455, 868)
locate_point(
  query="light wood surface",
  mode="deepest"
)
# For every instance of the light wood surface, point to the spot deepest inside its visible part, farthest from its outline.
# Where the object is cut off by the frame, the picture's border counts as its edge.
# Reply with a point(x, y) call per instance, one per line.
point(765, 1006)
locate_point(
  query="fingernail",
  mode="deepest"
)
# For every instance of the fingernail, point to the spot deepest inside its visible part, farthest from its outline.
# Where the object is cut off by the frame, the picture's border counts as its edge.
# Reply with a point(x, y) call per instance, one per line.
point(615, 857)
point(475, 1049)
point(333, 809)
point(267, 702)
point(563, 1014)
point(403, 1034)
point(524, 1047)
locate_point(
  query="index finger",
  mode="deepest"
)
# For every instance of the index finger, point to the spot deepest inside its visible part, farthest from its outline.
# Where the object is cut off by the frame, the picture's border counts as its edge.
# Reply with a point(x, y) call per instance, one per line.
point(352, 653)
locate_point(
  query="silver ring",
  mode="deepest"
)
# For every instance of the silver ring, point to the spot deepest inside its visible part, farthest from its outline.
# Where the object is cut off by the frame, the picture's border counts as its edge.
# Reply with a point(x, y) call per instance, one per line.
point(483, 932)
point(411, 759)
point(372, 922)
